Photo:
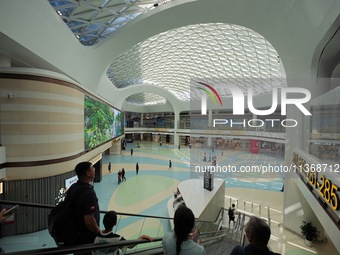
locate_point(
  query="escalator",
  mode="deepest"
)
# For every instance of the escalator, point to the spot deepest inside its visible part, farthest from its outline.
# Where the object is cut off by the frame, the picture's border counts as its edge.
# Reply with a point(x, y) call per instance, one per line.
point(215, 236)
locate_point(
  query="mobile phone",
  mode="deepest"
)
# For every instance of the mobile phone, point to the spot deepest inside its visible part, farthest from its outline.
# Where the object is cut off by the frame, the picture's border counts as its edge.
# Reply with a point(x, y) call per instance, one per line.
point(197, 236)
point(10, 210)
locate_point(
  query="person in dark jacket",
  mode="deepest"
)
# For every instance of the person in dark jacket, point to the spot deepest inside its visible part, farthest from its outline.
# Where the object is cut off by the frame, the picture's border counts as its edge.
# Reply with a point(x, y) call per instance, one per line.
point(258, 234)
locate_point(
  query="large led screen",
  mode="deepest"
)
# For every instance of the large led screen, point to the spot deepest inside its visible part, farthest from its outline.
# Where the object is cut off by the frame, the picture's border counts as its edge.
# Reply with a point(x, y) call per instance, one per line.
point(102, 122)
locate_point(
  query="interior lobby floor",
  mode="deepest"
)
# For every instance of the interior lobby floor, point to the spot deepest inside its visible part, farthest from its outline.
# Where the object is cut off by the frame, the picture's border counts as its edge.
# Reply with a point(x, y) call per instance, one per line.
point(148, 193)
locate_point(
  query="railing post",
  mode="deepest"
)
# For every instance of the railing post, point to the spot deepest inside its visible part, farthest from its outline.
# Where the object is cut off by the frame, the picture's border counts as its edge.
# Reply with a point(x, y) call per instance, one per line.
point(269, 216)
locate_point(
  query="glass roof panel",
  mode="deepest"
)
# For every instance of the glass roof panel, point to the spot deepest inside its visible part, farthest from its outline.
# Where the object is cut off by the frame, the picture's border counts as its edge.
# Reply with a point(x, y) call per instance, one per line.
point(94, 20)
point(145, 99)
point(215, 53)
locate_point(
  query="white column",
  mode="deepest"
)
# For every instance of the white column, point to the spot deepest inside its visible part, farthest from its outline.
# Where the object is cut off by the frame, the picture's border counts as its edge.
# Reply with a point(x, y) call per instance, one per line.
point(209, 141)
point(141, 120)
point(176, 125)
point(209, 121)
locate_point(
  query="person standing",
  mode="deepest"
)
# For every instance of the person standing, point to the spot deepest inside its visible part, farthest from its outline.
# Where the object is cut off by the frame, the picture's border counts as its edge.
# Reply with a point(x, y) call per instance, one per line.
point(86, 204)
point(137, 168)
point(119, 175)
point(108, 236)
point(231, 214)
point(258, 234)
point(109, 167)
point(123, 175)
point(131, 151)
point(180, 241)
point(170, 164)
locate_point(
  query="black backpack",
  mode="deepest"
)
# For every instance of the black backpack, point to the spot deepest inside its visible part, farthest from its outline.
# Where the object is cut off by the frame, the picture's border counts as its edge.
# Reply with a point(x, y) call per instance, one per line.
point(62, 222)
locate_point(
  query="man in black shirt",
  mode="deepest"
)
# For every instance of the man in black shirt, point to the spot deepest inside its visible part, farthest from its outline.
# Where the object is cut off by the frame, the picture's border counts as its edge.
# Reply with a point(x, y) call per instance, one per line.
point(86, 203)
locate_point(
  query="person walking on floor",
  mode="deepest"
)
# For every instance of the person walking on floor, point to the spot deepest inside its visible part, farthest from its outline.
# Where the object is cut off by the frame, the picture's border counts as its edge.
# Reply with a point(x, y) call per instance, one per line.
point(131, 151)
point(137, 168)
point(119, 175)
point(109, 167)
point(170, 164)
point(123, 175)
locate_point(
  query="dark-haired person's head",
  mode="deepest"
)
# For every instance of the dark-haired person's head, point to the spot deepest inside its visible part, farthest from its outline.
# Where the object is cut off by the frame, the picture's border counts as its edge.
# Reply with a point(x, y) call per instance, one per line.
point(85, 171)
point(110, 220)
point(184, 221)
point(257, 231)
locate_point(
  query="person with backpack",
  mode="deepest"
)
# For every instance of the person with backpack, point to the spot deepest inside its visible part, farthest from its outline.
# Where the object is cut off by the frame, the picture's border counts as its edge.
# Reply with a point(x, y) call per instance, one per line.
point(231, 214)
point(86, 208)
point(75, 220)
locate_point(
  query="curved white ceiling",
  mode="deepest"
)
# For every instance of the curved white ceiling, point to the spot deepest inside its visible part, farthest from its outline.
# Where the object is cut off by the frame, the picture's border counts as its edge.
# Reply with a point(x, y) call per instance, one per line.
point(217, 54)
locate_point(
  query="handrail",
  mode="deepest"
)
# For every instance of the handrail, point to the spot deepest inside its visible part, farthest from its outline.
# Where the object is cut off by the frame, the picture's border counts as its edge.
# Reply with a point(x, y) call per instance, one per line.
point(84, 247)
point(52, 206)
point(101, 211)
point(87, 247)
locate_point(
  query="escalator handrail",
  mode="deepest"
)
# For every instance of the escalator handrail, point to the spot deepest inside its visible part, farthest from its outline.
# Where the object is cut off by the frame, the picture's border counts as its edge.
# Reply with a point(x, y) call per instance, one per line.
point(85, 247)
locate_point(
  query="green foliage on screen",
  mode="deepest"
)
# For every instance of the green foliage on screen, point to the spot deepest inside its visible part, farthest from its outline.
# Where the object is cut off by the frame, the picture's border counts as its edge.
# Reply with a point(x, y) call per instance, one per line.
point(101, 123)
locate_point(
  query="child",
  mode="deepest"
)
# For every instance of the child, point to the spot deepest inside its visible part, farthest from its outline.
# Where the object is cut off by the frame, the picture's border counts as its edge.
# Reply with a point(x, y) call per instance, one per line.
point(107, 236)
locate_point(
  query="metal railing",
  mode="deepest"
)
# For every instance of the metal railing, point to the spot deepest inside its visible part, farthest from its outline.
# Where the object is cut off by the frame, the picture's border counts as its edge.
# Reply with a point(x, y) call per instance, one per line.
point(269, 214)
point(156, 245)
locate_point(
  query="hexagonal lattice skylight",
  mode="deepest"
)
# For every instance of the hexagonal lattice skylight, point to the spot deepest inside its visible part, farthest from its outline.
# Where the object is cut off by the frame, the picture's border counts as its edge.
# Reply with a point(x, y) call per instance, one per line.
point(145, 99)
point(217, 54)
point(93, 21)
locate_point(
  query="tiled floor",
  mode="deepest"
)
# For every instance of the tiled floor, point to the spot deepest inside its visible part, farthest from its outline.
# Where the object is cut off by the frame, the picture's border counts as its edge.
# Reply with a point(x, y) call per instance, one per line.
point(148, 192)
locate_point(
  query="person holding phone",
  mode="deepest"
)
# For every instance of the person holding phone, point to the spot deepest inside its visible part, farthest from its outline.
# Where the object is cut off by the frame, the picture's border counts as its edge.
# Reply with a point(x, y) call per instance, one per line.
point(3, 216)
point(180, 241)
point(5, 213)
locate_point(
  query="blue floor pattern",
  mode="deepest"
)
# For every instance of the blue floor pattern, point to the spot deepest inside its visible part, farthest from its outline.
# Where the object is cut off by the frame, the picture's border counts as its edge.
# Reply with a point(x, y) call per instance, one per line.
point(183, 158)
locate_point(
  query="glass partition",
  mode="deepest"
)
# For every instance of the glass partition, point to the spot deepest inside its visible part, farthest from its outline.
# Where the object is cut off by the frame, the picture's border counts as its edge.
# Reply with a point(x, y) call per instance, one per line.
point(324, 138)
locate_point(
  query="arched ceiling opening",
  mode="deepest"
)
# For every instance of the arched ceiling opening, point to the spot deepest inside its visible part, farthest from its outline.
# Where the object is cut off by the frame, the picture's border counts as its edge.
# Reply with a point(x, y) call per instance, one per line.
point(215, 53)
point(145, 99)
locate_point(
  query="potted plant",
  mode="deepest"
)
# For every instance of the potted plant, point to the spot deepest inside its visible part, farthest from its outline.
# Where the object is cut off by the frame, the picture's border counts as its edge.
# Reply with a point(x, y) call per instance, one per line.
point(310, 232)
